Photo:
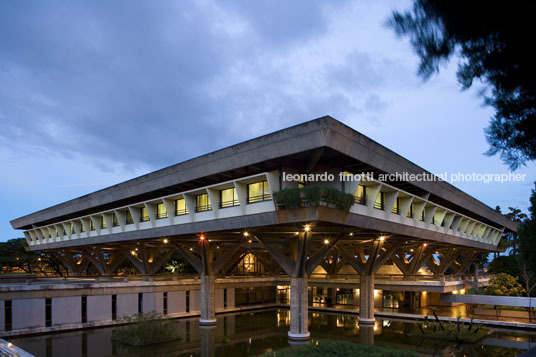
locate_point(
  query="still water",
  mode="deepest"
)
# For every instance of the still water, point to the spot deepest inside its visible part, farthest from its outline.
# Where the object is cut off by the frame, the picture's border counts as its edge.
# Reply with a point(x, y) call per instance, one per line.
point(253, 333)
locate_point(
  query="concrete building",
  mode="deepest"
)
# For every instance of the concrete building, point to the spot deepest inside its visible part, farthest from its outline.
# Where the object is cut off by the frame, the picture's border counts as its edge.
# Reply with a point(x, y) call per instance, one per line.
point(401, 239)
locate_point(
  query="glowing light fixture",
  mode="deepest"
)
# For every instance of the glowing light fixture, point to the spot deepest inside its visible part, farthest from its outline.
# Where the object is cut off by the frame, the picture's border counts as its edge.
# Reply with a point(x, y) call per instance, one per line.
point(202, 237)
point(166, 241)
point(246, 234)
point(307, 228)
point(382, 238)
point(326, 241)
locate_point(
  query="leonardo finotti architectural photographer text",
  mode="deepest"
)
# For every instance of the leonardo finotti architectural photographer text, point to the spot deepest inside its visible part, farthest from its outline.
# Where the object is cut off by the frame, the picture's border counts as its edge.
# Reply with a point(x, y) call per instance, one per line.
point(406, 176)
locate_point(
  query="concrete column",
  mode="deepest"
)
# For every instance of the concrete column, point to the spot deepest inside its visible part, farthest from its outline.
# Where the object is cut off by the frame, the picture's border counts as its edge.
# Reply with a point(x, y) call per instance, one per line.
point(208, 315)
point(366, 300)
point(366, 334)
point(475, 279)
point(207, 337)
point(299, 329)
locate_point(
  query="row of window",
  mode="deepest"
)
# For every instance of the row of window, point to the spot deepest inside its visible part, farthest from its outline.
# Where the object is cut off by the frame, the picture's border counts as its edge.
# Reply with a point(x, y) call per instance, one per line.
point(361, 198)
point(256, 192)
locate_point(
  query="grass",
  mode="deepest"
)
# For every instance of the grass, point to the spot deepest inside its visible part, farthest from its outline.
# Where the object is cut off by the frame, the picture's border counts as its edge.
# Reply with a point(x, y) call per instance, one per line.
point(146, 329)
point(449, 331)
point(338, 349)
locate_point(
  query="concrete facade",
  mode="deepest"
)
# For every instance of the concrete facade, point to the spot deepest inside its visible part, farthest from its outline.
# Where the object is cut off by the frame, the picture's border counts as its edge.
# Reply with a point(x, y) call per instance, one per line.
point(28, 313)
point(66, 310)
point(153, 302)
point(127, 305)
point(176, 302)
point(99, 308)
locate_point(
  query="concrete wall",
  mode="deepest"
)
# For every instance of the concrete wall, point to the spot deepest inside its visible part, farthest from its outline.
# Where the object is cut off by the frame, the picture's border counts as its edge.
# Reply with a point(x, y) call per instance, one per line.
point(153, 302)
point(66, 310)
point(28, 313)
point(231, 298)
point(195, 300)
point(99, 308)
point(127, 305)
point(218, 297)
point(2, 316)
point(176, 302)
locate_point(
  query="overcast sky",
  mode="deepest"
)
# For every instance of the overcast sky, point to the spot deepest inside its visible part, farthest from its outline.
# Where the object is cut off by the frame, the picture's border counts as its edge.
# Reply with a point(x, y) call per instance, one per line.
point(93, 93)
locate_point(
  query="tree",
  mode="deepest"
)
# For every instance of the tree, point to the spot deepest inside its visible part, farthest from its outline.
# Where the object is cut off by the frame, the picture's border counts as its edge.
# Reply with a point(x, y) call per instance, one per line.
point(527, 244)
point(493, 40)
point(515, 215)
point(13, 257)
point(504, 284)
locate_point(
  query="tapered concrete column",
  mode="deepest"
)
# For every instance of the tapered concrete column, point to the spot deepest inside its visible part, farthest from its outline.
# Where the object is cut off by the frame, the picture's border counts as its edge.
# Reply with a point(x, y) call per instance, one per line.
point(208, 314)
point(299, 329)
point(366, 300)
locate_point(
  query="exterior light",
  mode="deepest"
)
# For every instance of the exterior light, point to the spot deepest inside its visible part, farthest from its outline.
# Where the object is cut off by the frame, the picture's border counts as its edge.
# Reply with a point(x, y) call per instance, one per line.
point(133, 252)
point(191, 249)
point(246, 234)
point(218, 247)
point(202, 237)
point(136, 249)
point(326, 241)
point(249, 241)
point(411, 250)
point(425, 244)
point(9, 344)
point(437, 252)
point(307, 228)
point(39, 259)
point(382, 238)
point(351, 234)
point(166, 241)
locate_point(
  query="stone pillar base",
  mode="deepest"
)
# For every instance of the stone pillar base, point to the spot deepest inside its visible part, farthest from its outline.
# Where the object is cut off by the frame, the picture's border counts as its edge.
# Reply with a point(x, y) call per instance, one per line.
point(207, 322)
point(298, 336)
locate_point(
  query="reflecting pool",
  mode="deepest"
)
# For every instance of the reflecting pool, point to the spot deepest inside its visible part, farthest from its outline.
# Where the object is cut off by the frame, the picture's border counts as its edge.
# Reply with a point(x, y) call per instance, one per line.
point(253, 333)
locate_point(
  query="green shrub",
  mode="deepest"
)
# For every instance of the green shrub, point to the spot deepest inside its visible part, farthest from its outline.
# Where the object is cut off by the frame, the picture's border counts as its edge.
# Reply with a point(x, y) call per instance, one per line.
point(504, 284)
point(146, 329)
point(313, 196)
point(449, 331)
point(339, 349)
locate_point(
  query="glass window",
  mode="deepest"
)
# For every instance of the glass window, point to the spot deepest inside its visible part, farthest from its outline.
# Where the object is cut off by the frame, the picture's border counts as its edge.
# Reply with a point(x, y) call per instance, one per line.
point(228, 198)
point(361, 195)
point(103, 222)
point(128, 218)
point(202, 203)
point(115, 221)
point(144, 215)
point(161, 211)
point(180, 207)
point(71, 228)
point(82, 227)
point(379, 201)
point(259, 191)
point(410, 211)
point(91, 225)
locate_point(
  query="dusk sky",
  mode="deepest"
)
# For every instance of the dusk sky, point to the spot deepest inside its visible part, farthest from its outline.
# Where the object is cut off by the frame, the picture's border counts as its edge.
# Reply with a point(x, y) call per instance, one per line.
point(93, 93)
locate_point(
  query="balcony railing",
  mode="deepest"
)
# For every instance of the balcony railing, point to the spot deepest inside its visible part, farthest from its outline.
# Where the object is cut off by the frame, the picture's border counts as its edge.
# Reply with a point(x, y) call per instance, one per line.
point(230, 203)
point(162, 215)
point(259, 198)
point(203, 208)
point(360, 200)
point(379, 205)
point(181, 212)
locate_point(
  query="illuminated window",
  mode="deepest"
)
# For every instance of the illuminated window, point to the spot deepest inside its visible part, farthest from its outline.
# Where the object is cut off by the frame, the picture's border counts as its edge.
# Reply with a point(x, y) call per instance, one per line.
point(103, 222)
point(301, 184)
point(379, 201)
point(115, 221)
point(128, 218)
point(258, 192)
point(180, 207)
point(91, 225)
point(71, 228)
point(202, 203)
point(228, 198)
point(82, 227)
point(361, 195)
point(161, 211)
point(423, 215)
point(144, 215)
point(396, 207)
